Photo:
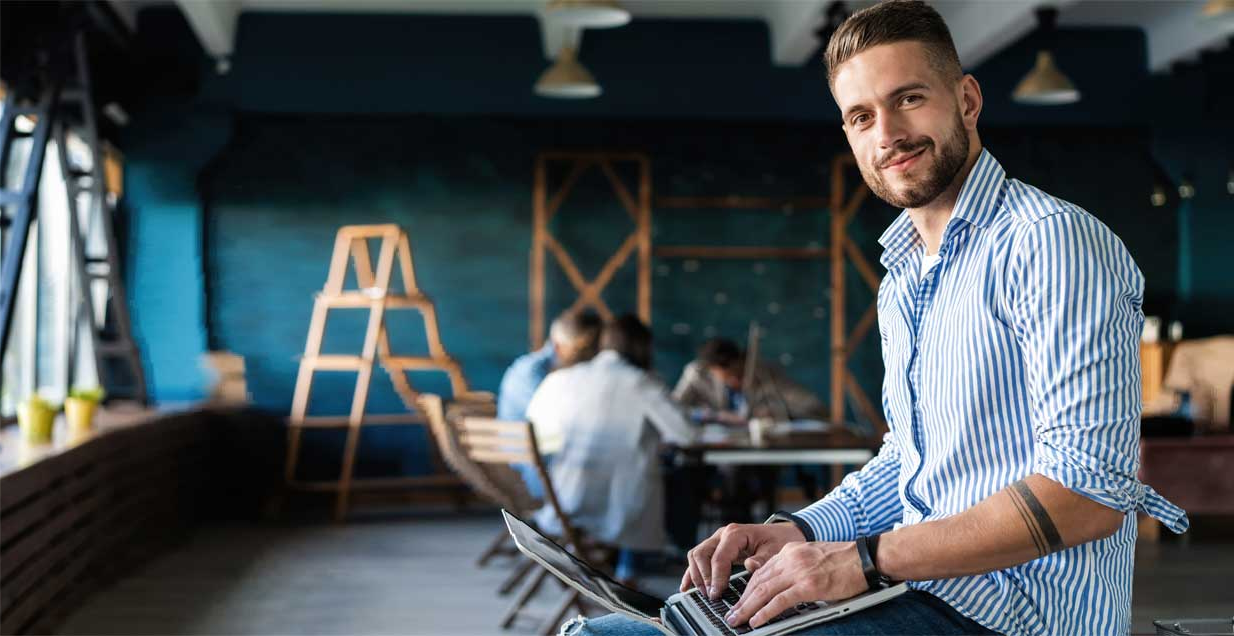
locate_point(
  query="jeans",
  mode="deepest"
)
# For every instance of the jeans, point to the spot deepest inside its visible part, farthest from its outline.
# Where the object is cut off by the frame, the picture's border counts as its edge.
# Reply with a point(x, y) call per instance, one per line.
point(910, 613)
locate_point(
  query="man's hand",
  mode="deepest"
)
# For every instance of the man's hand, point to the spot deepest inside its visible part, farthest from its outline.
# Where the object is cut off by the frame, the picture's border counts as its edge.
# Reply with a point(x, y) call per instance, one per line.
point(801, 572)
point(754, 544)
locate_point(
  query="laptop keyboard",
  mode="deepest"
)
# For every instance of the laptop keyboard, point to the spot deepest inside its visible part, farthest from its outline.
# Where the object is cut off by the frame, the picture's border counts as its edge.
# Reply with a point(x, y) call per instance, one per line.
point(717, 609)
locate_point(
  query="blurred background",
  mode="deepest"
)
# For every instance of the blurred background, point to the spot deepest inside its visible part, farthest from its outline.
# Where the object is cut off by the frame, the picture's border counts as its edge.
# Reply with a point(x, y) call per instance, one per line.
point(686, 152)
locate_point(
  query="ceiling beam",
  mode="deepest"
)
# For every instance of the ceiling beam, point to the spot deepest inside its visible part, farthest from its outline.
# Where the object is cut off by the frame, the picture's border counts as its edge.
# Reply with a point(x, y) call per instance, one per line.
point(1182, 35)
point(791, 24)
point(126, 10)
point(214, 23)
point(981, 28)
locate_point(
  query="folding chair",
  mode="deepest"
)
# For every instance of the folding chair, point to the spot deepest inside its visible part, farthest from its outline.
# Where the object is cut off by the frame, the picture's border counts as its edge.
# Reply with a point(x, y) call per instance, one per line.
point(500, 485)
point(502, 544)
point(490, 442)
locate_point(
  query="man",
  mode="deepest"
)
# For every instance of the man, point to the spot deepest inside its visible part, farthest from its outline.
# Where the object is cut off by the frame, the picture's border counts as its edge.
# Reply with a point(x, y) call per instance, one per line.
point(573, 337)
point(1005, 491)
point(610, 415)
point(711, 386)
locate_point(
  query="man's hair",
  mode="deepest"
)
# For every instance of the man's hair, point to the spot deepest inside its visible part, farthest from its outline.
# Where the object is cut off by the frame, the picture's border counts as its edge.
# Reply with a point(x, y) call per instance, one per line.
point(580, 329)
point(890, 22)
point(630, 338)
point(720, 352)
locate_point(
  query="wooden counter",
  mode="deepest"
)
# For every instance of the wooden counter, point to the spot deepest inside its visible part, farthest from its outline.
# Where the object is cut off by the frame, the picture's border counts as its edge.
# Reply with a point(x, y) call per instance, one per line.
point(77, 512)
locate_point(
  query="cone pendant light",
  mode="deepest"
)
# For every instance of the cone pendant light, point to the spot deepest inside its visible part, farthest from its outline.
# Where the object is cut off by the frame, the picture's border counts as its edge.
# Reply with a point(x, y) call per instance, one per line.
point(1215, 8)
point(591, 14)
point(1045, 85)
point(567, 79)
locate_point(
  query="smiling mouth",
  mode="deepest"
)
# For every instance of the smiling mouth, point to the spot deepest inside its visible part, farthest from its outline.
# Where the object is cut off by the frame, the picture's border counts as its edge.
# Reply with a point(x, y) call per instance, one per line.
point(904, 159)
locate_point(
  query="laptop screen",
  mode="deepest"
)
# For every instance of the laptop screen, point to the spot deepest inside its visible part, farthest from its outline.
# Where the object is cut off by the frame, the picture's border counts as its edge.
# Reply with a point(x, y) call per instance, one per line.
point(594, 581)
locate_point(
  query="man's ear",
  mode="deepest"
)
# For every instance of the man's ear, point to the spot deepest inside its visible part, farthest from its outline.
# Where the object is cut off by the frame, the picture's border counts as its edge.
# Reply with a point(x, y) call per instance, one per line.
point(971, 101)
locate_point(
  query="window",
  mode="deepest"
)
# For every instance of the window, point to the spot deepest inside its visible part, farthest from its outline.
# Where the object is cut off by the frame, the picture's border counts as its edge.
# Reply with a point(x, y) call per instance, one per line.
point(50, 344)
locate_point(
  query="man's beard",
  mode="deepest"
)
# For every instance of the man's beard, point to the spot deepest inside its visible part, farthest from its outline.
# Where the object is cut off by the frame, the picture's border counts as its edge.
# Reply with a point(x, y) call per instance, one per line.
point(950, 159)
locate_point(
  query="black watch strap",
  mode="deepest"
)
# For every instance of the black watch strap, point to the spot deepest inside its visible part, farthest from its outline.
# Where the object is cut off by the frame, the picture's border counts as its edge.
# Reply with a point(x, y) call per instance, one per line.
point(867, 551)
point(781, 516)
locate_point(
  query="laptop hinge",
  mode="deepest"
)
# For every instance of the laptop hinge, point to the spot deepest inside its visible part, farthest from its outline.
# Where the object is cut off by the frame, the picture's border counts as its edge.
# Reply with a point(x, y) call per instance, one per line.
point(681, 621)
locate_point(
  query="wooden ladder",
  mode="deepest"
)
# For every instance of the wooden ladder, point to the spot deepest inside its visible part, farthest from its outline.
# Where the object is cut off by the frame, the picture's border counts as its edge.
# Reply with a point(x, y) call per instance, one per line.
point(375, 294)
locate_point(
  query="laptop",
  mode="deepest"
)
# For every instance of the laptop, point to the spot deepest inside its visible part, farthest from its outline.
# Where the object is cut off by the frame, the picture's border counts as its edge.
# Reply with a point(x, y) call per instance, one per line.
point(685, 613)
point(753, 340)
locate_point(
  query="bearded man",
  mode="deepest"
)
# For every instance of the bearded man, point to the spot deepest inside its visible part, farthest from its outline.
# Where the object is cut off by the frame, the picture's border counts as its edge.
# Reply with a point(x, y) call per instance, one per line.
point(1005, 492)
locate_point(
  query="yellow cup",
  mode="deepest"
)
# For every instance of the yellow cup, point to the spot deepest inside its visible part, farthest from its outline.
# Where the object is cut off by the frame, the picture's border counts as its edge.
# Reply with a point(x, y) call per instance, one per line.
point(35, 420)
point(79, 414)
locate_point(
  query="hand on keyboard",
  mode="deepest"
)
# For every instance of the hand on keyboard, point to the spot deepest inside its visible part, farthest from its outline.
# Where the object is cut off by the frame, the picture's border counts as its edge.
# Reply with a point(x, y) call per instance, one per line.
point(800, 573)
point(711, 561)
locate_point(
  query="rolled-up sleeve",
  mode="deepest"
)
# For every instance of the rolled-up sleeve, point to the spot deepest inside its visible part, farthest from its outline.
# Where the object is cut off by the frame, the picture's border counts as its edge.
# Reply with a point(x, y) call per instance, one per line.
point(1075, 300)
point(867, 502)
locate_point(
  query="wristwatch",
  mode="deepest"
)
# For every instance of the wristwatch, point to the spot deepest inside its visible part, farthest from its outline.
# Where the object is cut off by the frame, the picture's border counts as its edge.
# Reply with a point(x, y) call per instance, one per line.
point(781, 516)
point(867, 550)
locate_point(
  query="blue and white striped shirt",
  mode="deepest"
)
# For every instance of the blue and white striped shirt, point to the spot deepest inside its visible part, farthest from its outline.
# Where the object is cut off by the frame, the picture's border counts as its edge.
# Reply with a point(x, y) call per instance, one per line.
point(1017, 353)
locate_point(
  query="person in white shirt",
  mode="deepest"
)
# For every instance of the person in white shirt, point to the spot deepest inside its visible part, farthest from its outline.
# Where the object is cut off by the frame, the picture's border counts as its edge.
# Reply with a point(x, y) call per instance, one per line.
point(605, 420)
point(574, 337)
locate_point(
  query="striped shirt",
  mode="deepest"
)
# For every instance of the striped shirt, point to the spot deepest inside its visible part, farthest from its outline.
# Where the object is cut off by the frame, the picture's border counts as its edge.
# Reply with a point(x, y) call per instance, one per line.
point(1017, 353)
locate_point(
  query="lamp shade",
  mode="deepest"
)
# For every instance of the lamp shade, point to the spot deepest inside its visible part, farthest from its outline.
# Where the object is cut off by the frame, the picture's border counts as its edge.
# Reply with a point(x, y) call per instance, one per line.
point(591, 14)
point(1045, 85)
point(567, 79)
point(1214, 8)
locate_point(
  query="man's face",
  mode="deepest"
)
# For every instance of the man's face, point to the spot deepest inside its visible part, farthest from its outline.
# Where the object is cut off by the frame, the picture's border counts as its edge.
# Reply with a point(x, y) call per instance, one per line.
point(903, 122)
point(731, 378)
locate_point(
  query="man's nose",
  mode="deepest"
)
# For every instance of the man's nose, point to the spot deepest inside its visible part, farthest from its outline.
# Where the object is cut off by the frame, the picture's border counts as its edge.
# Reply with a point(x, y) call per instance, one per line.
point(891, 131)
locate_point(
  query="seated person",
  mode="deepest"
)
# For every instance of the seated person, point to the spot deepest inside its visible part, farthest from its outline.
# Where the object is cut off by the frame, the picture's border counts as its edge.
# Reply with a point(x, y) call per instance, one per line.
point(573, 337)
point(606, 419)
point(711, 386)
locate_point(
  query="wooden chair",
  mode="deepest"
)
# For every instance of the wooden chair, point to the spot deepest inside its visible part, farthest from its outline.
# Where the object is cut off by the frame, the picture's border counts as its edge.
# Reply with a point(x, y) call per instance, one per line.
point(491, 442)
point(500, 485)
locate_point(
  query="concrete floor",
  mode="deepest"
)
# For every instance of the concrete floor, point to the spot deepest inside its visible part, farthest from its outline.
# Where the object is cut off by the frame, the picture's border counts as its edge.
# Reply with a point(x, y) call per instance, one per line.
point(417, 576)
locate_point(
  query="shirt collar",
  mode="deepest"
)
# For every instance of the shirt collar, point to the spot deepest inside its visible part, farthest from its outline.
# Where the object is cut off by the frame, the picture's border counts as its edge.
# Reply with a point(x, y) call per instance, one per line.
point(977, 204)
point(608, 356)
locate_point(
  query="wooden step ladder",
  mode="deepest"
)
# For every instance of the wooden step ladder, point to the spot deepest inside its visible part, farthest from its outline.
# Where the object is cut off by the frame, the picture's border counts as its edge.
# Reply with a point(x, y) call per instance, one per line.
point(375, 294)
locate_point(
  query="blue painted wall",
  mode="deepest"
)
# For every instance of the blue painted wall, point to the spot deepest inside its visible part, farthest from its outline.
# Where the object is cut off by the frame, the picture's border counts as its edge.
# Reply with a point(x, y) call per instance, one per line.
point(1193, 138)
point(164, 265)
point(331, 120)
point(462, 187)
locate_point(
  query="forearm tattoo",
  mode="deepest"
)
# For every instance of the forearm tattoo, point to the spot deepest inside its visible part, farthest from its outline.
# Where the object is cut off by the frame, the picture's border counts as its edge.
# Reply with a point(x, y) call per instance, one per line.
point(1040, 525)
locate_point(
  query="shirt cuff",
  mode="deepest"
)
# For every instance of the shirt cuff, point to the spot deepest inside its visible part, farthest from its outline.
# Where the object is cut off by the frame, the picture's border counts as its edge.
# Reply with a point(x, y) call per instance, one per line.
point(1124, 494)
point(830, 519)
point(780, 516)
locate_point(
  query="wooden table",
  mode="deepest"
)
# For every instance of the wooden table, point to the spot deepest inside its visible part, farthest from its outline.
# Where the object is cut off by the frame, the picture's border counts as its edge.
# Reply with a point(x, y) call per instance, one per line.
point(836, 449)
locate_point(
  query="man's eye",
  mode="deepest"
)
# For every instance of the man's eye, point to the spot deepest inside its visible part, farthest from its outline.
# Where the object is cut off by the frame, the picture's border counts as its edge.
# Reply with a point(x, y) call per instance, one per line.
point(911, 99)
point(861, 119)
